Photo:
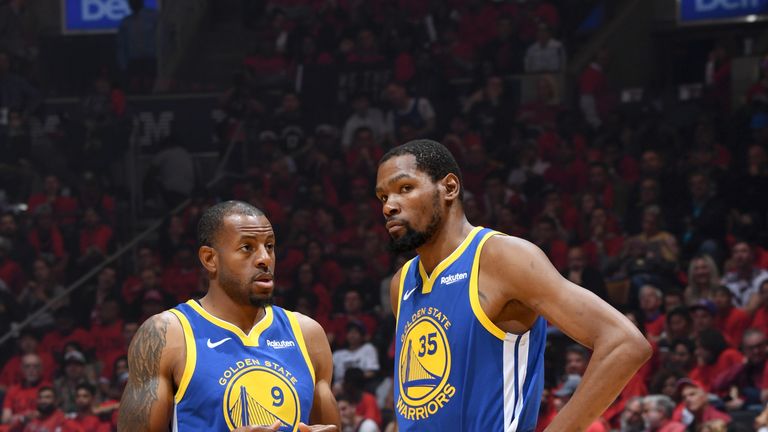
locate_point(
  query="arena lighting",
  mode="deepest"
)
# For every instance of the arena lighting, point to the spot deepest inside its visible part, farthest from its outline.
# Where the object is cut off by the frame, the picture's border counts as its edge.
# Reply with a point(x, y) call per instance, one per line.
point(751, 18)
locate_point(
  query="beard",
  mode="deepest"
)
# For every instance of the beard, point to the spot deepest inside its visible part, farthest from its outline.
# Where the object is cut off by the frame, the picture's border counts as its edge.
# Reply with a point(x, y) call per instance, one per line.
point(240, 292)
point(45, 409)
point(412, 238)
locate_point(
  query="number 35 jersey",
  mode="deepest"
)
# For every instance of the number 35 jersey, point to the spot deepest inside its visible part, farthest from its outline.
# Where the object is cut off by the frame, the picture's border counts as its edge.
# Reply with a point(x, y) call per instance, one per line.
point(232, 379)
point(454, 369)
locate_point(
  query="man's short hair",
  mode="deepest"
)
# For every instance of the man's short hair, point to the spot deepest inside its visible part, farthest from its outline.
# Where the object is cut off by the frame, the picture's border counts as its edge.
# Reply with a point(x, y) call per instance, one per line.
point(661, 402)
point(432, 158)
point(578, 349)
point(87, 387)
point(213, 219)
point(47, 388)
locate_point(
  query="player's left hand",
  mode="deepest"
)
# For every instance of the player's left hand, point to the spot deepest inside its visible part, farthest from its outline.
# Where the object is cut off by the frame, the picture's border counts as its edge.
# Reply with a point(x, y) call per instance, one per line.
point(317, 428)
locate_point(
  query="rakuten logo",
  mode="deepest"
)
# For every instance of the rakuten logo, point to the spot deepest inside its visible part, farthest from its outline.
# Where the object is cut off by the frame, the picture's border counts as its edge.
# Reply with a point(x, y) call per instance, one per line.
point(96, 10)
point(447, 280)
point(280, 344)
point(712, 5)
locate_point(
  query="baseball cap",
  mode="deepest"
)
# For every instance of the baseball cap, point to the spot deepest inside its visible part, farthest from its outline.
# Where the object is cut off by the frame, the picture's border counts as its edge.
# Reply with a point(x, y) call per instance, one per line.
point(703, 304)
point(682, 383)
point(74, 356)
point(153, 295)
point(569, 386)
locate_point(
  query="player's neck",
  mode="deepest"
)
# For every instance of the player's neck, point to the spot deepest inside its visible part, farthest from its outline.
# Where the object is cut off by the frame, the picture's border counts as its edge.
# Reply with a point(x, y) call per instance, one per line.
point(220, 305)
point(444, 242)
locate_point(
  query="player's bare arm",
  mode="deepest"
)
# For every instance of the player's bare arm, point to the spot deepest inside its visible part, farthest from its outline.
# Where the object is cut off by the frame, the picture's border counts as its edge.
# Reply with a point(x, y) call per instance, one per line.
point(156, 350)
point(325, 414)
point(526, 285)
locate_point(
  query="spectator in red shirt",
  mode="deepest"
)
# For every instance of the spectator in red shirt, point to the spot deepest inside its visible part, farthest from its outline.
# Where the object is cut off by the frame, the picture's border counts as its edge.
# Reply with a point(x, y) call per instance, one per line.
point(713, 357)
point(703, 316)
point(650, 303)
point(180, 278)
point(696, 408)
point(730, 320)
point(749, 377)
point(657, 414)
point(107, 335)
point(12, 373)
point(95, 237)
point(353, 310)
point(21, 399)
point(593, 89)
point(545, 236)
point(63, 208)
point(760, 318)
point(682, 355)
point(45, 236)
point(84, 415)
point(48, 417)
point(354, 388)
point(65, 332)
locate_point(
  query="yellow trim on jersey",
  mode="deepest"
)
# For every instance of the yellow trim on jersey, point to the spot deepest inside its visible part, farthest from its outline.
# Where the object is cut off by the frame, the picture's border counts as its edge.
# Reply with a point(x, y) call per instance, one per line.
point(252, 338)
point(302, 345)
point(190, 361)
point(474, 292)
point(403, 274)
point(427, 282)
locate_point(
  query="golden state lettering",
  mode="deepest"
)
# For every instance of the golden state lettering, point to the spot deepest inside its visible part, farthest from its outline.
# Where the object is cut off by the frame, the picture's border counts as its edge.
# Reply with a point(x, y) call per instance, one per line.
point(424, 365)
point(240, 364)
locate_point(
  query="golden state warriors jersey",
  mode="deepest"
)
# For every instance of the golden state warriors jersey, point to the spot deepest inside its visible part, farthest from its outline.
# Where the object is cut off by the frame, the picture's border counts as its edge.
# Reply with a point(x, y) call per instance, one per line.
point(232, 379)
point(455, 370)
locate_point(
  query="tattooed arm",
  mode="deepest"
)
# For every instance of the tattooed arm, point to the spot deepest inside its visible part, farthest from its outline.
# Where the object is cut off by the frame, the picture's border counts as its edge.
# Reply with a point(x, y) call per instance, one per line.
point(156, 350)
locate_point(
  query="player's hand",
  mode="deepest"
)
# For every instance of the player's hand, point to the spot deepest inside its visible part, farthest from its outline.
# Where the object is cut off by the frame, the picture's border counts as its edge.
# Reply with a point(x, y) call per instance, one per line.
point(317, 428)
point(275, 427)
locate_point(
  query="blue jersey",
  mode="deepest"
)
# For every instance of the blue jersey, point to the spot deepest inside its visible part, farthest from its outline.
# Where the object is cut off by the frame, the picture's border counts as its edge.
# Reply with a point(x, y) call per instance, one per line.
point(455, 370)
point(231, 379)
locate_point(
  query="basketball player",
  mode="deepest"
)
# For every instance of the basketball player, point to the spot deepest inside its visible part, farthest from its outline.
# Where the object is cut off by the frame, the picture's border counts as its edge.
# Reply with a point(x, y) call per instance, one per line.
point(231, 360)
point(471, 307)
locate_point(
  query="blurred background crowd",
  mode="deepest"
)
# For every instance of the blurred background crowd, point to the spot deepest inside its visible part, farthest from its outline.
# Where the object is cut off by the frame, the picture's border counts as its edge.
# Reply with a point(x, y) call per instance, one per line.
point(630, 149)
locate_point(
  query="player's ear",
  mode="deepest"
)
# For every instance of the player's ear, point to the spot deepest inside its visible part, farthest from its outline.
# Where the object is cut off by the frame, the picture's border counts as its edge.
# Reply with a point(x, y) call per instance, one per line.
point(452, 187)
point(208, 258)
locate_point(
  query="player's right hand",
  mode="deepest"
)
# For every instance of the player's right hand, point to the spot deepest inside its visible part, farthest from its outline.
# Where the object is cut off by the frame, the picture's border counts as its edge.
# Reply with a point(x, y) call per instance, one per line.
point(275, 427)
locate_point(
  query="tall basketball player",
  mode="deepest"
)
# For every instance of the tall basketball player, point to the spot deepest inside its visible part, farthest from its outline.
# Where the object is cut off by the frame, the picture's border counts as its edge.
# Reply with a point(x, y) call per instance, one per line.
point(231, 360)
point(470, 312)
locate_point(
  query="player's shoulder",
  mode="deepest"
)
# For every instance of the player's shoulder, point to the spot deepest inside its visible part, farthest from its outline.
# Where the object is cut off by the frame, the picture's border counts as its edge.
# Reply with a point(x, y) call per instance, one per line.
point(308, 326)
point(501, 243)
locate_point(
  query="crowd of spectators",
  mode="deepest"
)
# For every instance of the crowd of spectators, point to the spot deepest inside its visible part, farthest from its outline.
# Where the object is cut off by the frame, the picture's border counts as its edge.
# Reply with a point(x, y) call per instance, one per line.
point(660, 211)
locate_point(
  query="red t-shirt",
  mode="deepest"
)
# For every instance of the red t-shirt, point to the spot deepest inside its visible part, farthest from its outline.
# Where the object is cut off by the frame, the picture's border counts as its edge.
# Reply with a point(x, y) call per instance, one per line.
point(656, 326)
point(54, 341)
point(180, 283)
point(12, 274)
point(20, 399)
point(733, 325)
point(90, 423)
point(54, 245)
point(57, 422)
point(11, 373)
point(368, 408)
point(108, 338)
point(706, 374)
point(760, 320)
point(98, 237)
point(64, 208)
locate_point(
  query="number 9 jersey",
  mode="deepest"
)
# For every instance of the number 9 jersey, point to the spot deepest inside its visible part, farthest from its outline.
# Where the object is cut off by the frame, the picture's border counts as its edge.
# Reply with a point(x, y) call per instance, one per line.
point(231, 379)
point(454, 369)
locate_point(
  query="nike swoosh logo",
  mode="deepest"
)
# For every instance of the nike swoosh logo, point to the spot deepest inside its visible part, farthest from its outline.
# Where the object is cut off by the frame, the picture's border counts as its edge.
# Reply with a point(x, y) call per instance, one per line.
point(408, 293)
point(215, 344)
